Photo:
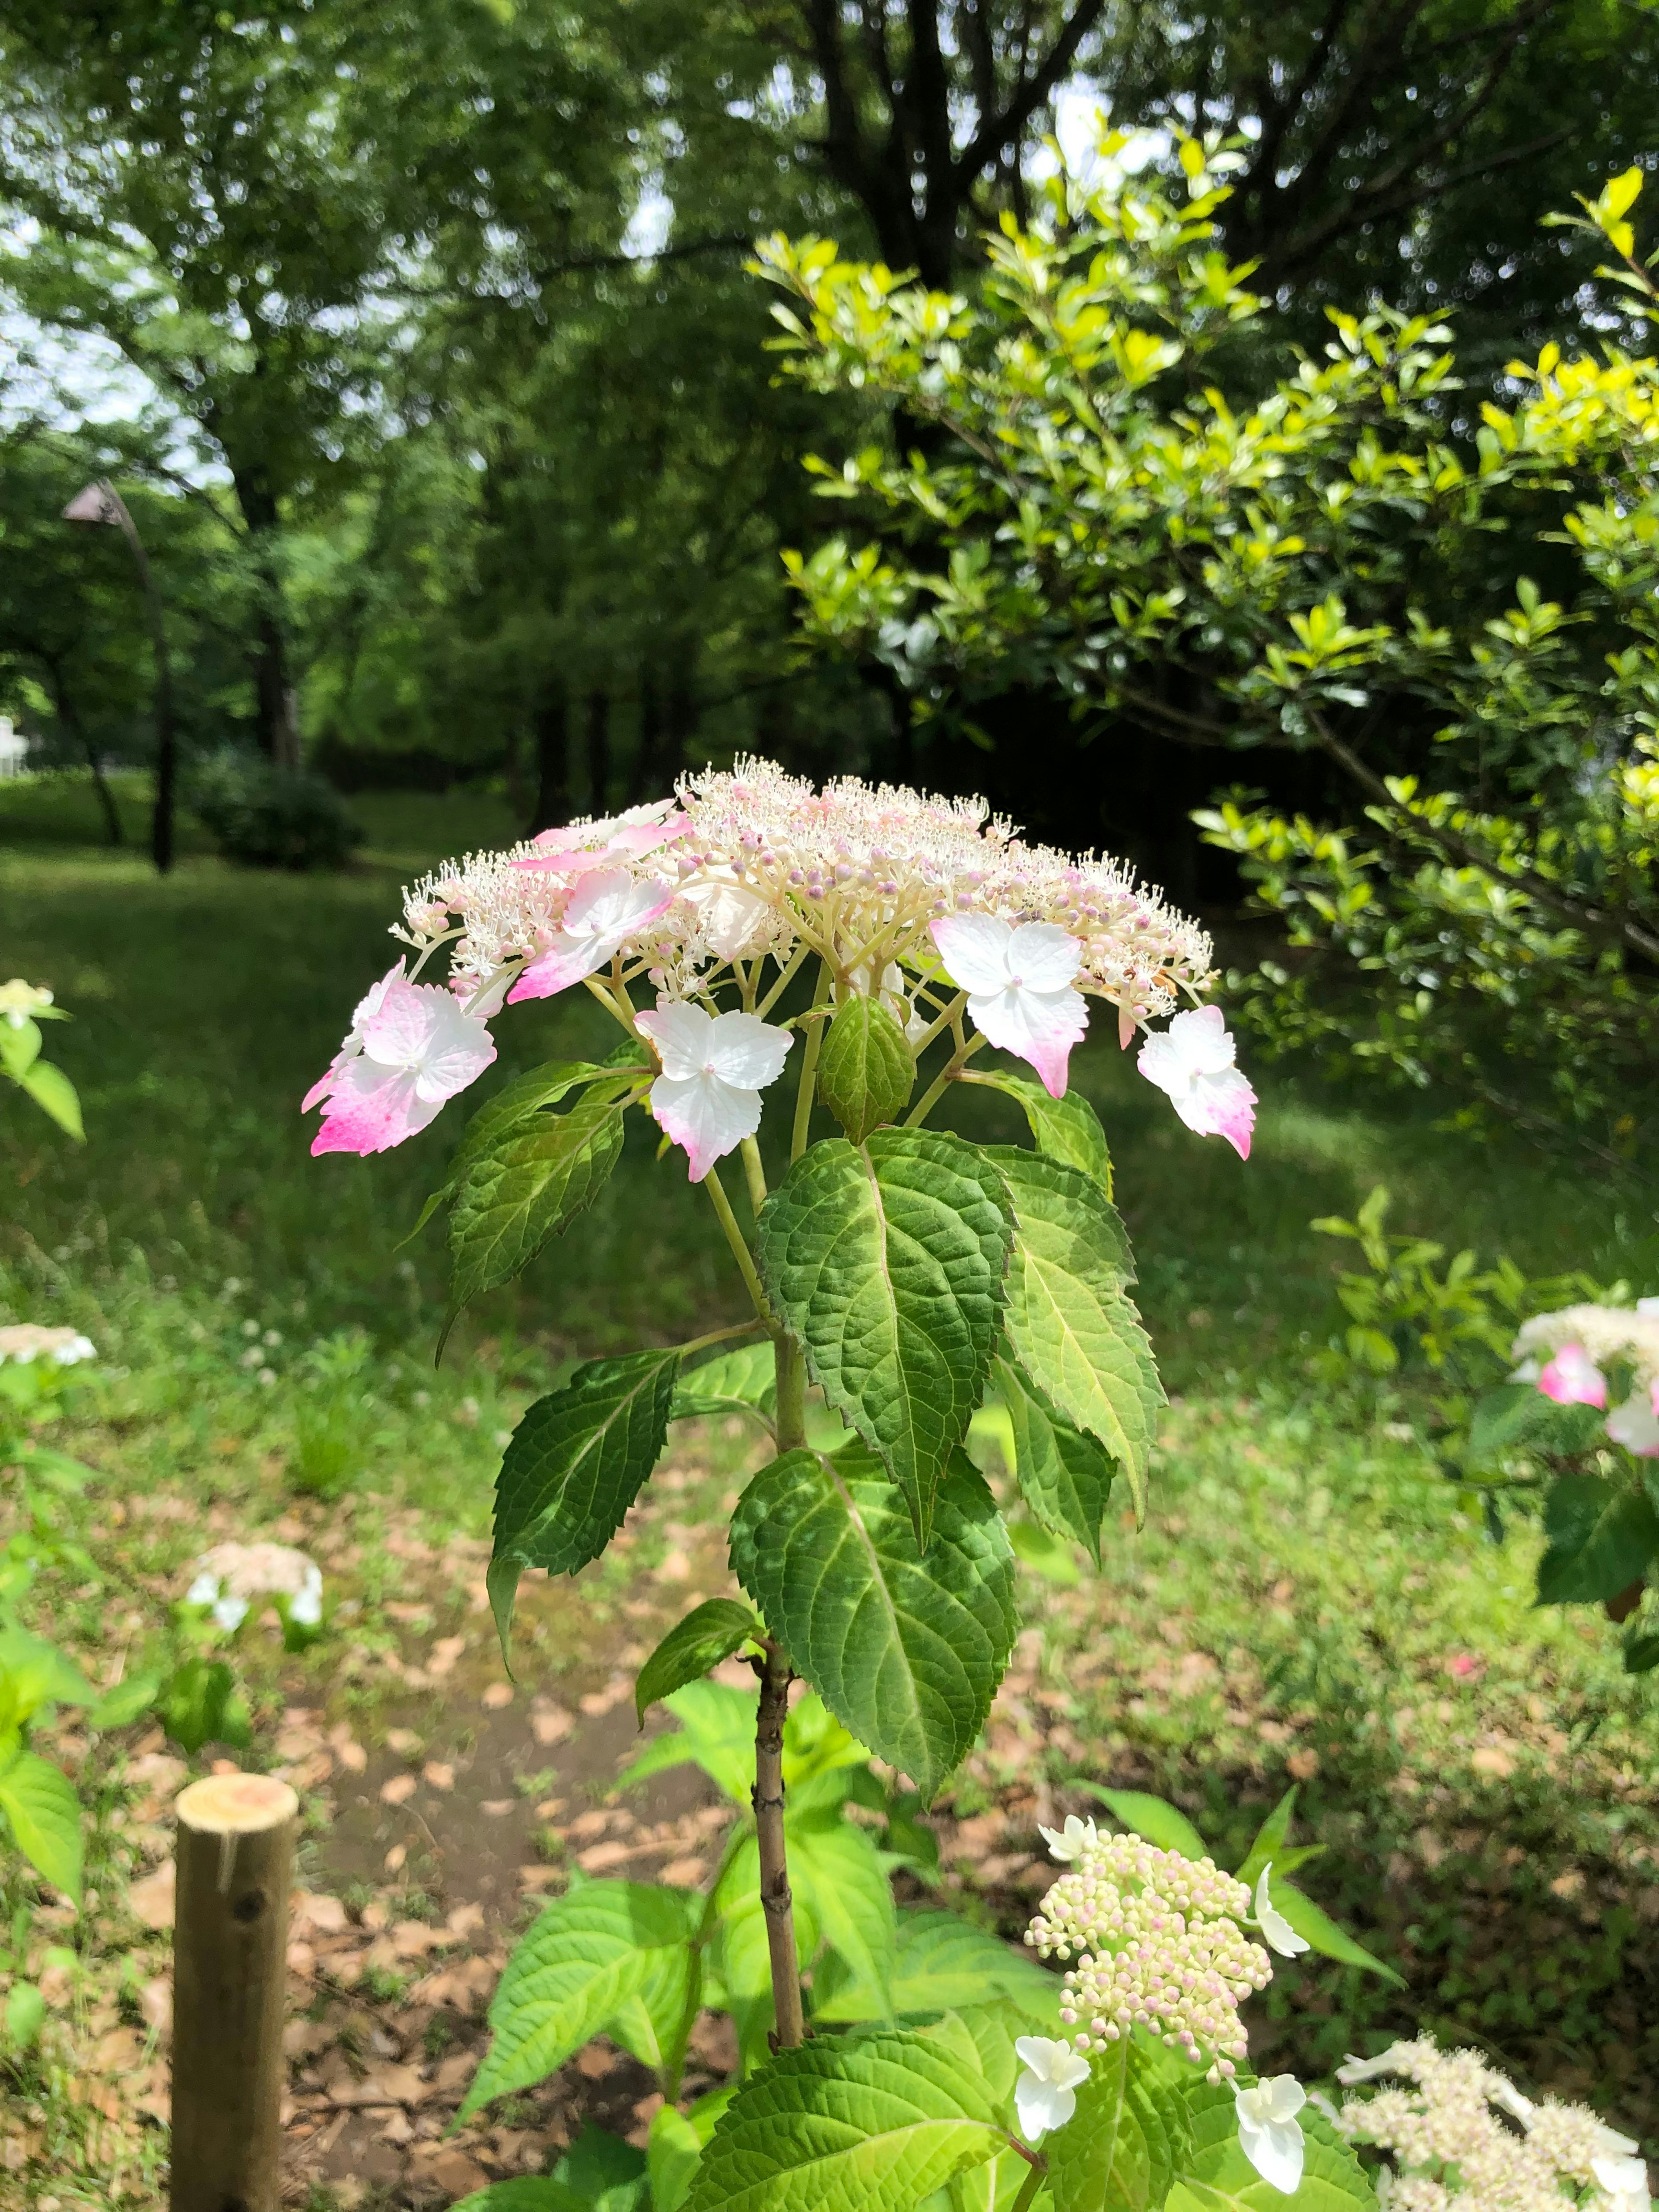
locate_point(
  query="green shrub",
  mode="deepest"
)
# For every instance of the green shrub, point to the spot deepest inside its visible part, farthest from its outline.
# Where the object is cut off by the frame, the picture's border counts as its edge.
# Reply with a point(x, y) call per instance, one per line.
point(272, 818)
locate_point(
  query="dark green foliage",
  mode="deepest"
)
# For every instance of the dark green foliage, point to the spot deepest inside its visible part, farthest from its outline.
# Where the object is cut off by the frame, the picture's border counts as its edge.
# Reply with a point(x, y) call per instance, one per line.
point(272, 818)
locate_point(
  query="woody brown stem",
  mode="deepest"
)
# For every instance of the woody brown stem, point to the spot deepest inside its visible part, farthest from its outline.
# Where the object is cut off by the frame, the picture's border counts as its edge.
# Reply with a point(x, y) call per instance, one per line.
point(776, 1903)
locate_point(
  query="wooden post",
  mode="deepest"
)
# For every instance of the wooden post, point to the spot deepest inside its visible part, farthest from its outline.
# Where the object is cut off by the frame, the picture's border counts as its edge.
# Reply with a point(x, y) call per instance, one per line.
point(235, 1860)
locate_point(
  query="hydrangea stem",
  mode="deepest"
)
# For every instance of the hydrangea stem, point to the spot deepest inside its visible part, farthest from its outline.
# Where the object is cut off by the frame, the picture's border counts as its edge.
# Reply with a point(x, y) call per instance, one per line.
point(776, 1903)
point(740, 1252)
point(1033, 2181)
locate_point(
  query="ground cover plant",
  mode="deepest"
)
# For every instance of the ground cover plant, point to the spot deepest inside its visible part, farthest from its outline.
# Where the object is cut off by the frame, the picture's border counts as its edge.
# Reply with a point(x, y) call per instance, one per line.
point(1492, 1761)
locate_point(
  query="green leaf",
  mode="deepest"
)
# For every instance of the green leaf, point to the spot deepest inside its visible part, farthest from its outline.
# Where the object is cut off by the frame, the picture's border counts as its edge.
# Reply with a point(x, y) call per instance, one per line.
point(25, 2016)
point(887, 1262)
point(1122, 2148)
point(1519, 1416)
point(1600, 1537)
point(19, 1047)
point(709, 1633)
point(574, 1465)
point(34, 1674)
point(851, 1899)
point(1315, 1924)
point(537, 2192)
point(1064, 1475)
point(529, 1184)
point(44, 1813)
point(1074, 1331)
point(1271, 1838)
point(1216, 2176)
point(676, 2146)
point(126, 1703)
point(716, 1733)
point(871, 2122)
point(1067, 1129)
point(654, 2020)
point(1641, 1652)
point(589, 1952)
point(945, 1964)
point(906, 1650)
point(51, 1090)
point(867, 1071)
point(741, 1382)
point(199, 1705)
point(1154, 1817)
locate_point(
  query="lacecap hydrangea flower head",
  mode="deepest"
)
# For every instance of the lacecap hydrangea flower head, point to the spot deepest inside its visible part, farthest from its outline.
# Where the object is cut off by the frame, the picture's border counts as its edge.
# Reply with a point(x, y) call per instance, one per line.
point(1569, 1355)
point(1463, 2138)
point(711, 900)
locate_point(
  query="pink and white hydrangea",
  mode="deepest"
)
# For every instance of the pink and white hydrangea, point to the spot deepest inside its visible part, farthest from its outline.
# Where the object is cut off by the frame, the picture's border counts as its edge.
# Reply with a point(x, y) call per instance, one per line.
point(1572, 1378)
point(714, 1067)
point(1192, 1060)
point(410, 1048)
point(1020, 979)
point(608, 911)
point(1568, 1354)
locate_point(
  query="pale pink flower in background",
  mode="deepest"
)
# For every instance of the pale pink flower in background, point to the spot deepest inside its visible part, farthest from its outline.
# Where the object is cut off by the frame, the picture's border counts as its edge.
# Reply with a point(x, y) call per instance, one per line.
point(1572, 1378)
point(1051, 2074)
point(409, 1049)
point(714, 1067)
point(1192, 1060)
point(1636, 1423)
point(608, 909)
point(1018, 977)
point(587, 845)
point(1269, 2131)
point(1280, 1935)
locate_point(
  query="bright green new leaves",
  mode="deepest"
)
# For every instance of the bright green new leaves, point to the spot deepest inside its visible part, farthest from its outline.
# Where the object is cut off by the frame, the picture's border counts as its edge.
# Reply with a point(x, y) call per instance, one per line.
point(1321, 1932)
point(1216, 2176)
point(1073, 1329)
point(518, 1192)
point(1128, 2138)
point(1064, 1475)
point(867, 1071)
point(741, 1382)
point(575, 1467)
point(710, 1632)
point(43, 1816)
point(906, 1650)
point(49, 1087)
point(1067, 1129)
point(944, 1963)
point(592, 1951)
point(887, 1262)
point(1601, 1535)
point(873, 2122)
point(1154, 1817)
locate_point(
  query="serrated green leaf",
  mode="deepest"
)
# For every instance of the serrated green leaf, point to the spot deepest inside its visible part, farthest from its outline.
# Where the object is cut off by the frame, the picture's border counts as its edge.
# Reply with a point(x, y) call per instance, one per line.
point(1519, 1416)
point(872, 2121)
point(653, 2021)
point(53, 1092)
point(716, 1732)
point(34, 1674)
point(1216, 2176)
point(43, 1816)
point(588, 1954)
point(1123, 2146)
point(1315, 1926)
point(531, 1094)
point(742, 1957)
point(887, 1262)
point(741, 1382)
point(1067, 1129)
point(1064, 1475)
point(1073, 1330)
point(906, 1650)
point(1154, 1817)
point(676, 2146)
point(1271, 1838)
point(530, 2192)
point(709, 1633)
point(851, 1899)
point(530, 1184)
point(1641, 1653)
point(1600, 1536)
point(867, 1071)
point(945, 1964)
point(574, 1465)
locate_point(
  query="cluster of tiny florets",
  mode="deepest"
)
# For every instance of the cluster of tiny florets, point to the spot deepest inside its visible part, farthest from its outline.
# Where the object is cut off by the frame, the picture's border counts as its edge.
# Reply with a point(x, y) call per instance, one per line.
point(1152, 1941)
point(1606, 1333)
point(1463, 2138)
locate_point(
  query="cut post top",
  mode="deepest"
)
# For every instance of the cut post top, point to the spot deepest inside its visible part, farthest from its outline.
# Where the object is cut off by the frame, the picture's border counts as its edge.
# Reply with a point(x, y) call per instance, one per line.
point(236, 1805)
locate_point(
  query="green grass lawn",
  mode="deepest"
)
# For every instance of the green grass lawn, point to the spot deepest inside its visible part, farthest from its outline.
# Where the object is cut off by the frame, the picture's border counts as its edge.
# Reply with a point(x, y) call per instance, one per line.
point(1291, 1609)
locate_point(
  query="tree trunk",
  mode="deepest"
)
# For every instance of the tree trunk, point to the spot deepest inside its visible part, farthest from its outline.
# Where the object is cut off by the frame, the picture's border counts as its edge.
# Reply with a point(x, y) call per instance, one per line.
point(274, 722)
point(599, 752)
point(69, 717)
point(643, 776)
point(552, 727)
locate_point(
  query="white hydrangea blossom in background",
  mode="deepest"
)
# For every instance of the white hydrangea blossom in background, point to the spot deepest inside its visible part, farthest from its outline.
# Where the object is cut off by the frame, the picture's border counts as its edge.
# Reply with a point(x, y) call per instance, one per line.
point(26, 1340)
point(1567, 1355)
point(1463, 2138)
point(231, 1577)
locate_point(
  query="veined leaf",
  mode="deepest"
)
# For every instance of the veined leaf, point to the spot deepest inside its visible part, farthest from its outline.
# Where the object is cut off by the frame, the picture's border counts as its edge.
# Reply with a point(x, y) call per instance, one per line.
point(1154, 1817)
point(590, 1952)
point(1073, 1329)
point(851, 1897)
point(945, 1964)
point(1067, 1129)
point(716, 1732)
point(654, 2020)
point(1064, 1475)
point(44, 1815)
point(872, 2121)
point(34, 1674)
point(519, 1102)
point(906, 1650)
point(887, 1262)
point(709, 1633)
point(1601, 1535)
point(1313, 1923)
point(1216, 2176)
point(1127, 2140)
point(741, 1382)
point(1517, 1416)
point(866, 1070)
point(676, 2146)
point(1271, 1838)
point(51, 1090)
point(532, 1181)
point(574, 1468)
